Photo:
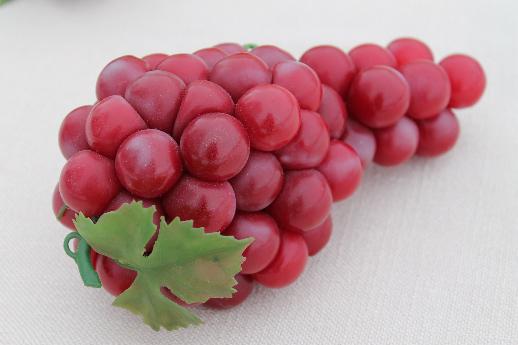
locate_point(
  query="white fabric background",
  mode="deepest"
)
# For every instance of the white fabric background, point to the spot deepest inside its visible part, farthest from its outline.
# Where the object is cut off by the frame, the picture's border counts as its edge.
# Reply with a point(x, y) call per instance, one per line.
point(425, 253)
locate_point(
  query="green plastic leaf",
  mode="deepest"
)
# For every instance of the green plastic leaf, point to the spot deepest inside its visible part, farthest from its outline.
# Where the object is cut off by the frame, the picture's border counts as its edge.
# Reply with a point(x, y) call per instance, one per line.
point(193, 264)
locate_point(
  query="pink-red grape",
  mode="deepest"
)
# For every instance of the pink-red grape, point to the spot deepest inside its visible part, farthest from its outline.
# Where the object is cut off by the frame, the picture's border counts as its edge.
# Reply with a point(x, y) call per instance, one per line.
point(304, 202)
point(265, 232)
point(148, 163)
point(361, 139)
point(301, 81)
point(342, 169)
point(407, 50)
point(215, 147)
point(333, 111)
point(153, 60)
point(118, 74)
point(289, 263)
point(110, 122)
point(72, 136)
point(211, 56)
point(272, 55)
point(396, 144)
point(379, 96)
point(317, 238)
point(369, 55)
point(309, 147)
point(156, 96)
point(211, 205)
point(437, 134)
point(187, 67)
point(230, 47)
point(88, 183)
point(271, 115)
point(238, 73)
point(114, 278)
point(334, 67)
point(429, 88)
point(259, 183)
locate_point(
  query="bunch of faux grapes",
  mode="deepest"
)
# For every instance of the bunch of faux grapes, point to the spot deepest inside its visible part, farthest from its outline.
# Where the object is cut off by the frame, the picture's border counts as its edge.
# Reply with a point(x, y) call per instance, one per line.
point(253, 143)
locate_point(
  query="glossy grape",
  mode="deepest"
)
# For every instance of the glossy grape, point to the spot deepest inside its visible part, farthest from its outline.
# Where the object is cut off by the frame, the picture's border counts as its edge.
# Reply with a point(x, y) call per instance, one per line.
point(259, 183)
point(437, 135)
point(407, 50)
point(342, 169)
point(118, 74)
point(396, 144)
point(230, 47)
point(114, 278)
point(272, 55)
point(187, 67)
point(240, 72)
point(72, 136)
point(244, 287)
point(215, 147)
point(211, 56)
point(309, 147)
point(88, 183)
point(63, 214)
point(289, 263)
point(361, 139)
point(304, 202)
point(333, 111)
point(271, 115)
point(265, 232)
point(110, 122)
point(209, 204)
point(201, 97)
point(148, 163)
point(379, 96)
point(316, 239)
point(301, 81)
point(334, 67)
point(153, 60)
point(467, 79)
point(369, 55)
point(156, 96)
point(429, 88)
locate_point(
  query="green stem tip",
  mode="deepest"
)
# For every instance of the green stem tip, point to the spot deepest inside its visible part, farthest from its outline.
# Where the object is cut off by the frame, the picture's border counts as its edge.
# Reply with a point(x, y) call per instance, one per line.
point(249, 46)
point(82, 258)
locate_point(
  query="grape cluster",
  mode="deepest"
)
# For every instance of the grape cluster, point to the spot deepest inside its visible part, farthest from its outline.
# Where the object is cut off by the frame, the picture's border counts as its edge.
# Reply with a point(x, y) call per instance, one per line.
point(253, 143)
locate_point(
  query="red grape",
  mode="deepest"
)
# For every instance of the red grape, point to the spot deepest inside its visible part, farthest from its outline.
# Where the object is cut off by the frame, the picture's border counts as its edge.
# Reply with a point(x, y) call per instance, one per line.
point(230, 48)
point(429, 88)
point(289, 263)
point(126, 198)
point(265, 232)
point(156, 96)
point(114, 278)
point(201, 97)
point(301, 81)
point(271, 115)
point(118, 74)
point(407, 50)
point(187, 67)
point(361, 139)
point(333, 111)
point(63, 214)
point(244, 287)
point(240, 72)
point(317, 238)
point(110, 122)
point(396, 144)
point(88, 183)
point(259, 183)
point(209, 204)
point(304, 202)
point(379, 96)
point(272, 55)
point(369, 55)
point(211, 56)
point(148, 163)
point(467, 79)
point(72, 136)
point(215, 147)
point(334, 67)
point(309, 147)
point(438, 134)
point(342, 169)
point(153, 60)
